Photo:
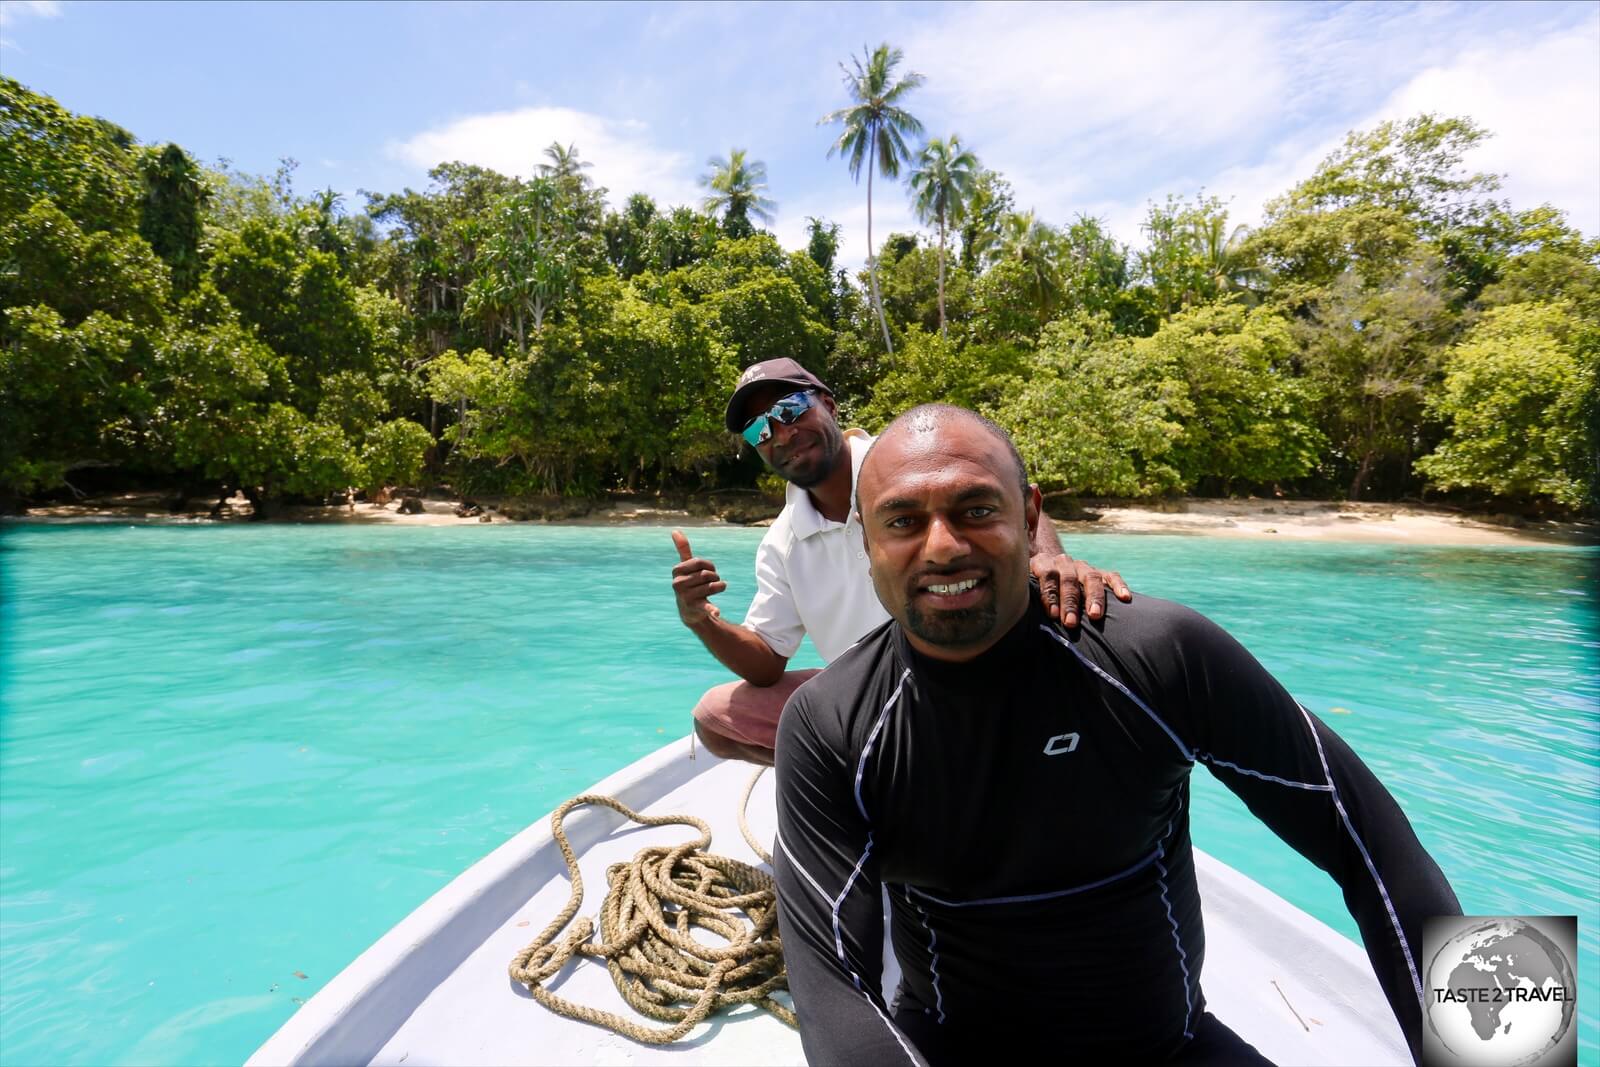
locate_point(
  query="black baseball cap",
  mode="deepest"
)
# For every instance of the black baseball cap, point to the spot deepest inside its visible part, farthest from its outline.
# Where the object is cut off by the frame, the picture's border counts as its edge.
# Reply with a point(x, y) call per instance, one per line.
point(783, 371)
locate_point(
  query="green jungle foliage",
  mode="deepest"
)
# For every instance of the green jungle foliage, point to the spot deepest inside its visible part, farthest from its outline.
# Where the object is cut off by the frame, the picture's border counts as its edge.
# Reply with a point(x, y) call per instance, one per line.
point(1390, 328)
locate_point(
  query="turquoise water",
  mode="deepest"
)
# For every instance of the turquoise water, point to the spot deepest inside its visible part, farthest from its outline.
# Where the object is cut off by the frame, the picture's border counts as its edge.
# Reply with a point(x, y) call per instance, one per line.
point(230, 754)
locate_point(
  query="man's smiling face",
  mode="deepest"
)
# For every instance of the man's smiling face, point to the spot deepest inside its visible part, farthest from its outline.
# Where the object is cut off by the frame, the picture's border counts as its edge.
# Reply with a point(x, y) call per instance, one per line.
point(947, 528)
point(806, 452)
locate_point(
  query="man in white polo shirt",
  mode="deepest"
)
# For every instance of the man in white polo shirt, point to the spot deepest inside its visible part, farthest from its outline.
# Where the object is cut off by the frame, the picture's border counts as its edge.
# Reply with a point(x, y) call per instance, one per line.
point(811, 568)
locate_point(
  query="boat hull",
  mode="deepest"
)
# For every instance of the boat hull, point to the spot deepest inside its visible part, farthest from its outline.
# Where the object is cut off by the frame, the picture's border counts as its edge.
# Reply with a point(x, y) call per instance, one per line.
point(435, 989)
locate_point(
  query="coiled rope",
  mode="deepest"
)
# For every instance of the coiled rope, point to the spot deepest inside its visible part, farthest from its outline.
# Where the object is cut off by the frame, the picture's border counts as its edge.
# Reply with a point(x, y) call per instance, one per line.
point(652, 903)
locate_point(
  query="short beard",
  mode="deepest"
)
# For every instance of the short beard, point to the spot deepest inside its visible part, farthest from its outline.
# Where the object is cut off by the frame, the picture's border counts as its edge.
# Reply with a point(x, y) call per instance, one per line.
point(953, 629)
point(832, 449)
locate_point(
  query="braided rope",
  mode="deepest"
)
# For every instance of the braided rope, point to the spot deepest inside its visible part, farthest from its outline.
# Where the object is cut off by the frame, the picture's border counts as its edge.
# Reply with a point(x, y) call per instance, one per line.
point(652, 903)
point(744, 824)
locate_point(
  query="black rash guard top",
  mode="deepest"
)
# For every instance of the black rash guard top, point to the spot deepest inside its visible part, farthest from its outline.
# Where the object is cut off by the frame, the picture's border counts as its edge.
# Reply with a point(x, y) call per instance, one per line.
point(1028, 813)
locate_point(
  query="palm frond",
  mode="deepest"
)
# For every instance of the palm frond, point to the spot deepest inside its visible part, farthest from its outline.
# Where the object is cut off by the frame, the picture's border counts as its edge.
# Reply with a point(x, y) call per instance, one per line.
point(903, 86)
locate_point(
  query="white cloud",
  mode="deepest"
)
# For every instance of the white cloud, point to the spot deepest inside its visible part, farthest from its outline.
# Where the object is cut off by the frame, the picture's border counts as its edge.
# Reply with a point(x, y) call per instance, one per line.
point(14, 11)
point(1062, 73)
point(1067, 99)
point(626, 158)
point(1541, 102)
point(1101, 109)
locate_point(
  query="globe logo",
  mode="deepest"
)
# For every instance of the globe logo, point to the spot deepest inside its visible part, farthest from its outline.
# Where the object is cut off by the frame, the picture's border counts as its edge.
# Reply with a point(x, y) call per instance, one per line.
point(1500, 990)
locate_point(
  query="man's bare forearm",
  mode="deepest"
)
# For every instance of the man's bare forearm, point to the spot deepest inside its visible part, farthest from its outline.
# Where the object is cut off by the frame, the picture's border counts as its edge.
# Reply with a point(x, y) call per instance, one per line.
point(1046, 540)
point(742, 651)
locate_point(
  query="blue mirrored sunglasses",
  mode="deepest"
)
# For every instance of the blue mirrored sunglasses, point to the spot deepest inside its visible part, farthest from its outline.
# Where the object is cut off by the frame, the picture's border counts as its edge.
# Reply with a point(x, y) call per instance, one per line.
point(787, 411)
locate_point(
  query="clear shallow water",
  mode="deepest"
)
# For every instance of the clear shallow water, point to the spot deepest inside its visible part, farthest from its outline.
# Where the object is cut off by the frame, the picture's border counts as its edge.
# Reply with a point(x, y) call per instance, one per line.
point(228, 754)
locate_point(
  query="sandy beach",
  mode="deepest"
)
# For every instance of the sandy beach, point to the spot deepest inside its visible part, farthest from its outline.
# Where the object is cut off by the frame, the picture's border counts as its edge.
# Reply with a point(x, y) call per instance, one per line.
point(1260, 519)
point(1311, 520)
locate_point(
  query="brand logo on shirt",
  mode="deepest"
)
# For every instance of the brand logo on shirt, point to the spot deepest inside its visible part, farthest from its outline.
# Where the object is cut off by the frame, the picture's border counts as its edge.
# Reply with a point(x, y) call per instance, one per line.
point(1061, 744)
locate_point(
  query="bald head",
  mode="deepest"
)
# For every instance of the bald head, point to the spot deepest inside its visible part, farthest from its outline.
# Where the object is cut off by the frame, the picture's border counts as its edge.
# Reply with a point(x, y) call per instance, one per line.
point(927, 419)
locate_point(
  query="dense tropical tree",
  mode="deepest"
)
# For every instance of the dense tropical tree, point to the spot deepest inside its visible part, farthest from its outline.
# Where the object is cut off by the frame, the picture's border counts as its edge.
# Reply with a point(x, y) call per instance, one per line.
point(1191, 256)
point(428, 261)
point(1169, 265)
point(172, 211)
point(1371, 350)
point(1412, 166)
point(822, 242)
point(298, 300)
point(1519, 397)
point(989, 201)
point(1125, 450)
point(940, 184)
point(1093, 266)
point(75, 161)
point(529, 260)
point(927, 368)
point(394, 453)
point(734, 186)
point(682, 238)
point(909, 278)
point(1375, 200)
point(1206, 402)
point(627, 235)
point(1547, 260)
point(767, 303)
point(875, 131)
point(1391, 326)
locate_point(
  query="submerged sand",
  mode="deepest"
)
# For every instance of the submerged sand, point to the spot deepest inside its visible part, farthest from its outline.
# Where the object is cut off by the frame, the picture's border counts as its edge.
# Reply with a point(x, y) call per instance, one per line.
point(1258, 519)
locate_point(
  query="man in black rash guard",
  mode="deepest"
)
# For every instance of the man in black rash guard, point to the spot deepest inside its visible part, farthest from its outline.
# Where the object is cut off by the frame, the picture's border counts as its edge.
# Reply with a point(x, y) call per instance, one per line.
point(1022, 792)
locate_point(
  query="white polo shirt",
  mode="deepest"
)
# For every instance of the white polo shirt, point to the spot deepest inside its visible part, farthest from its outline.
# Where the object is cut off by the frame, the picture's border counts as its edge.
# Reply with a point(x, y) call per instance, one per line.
point(811, 575)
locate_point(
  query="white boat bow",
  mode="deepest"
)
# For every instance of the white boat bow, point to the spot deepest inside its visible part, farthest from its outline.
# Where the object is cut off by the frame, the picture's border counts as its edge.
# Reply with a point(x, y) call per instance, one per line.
point(435, 989)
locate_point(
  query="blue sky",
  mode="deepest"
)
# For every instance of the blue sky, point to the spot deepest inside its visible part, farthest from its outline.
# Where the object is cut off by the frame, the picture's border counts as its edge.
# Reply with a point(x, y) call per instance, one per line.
point(1094, 108)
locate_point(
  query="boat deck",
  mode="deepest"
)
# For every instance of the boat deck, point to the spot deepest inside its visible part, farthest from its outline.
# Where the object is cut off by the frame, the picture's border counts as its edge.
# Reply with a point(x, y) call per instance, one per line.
point(435, 990)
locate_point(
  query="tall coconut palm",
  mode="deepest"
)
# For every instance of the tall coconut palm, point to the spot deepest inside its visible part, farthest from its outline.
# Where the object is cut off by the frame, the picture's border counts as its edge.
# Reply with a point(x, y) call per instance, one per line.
point(564, 162)
point(940, 185)
point(875, 128)
point(735, 186)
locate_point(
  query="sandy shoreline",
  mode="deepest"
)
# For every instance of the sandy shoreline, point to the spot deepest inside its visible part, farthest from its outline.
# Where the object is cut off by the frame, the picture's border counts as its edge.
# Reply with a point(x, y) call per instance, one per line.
point(1310, 520)
point(1257, 519)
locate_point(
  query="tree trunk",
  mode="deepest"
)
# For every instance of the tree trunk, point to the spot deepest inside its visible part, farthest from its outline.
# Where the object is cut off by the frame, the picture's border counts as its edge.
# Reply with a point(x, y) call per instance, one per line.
point(1361, 475)
point(943, 333)
point(872, 259)
point(522, 344)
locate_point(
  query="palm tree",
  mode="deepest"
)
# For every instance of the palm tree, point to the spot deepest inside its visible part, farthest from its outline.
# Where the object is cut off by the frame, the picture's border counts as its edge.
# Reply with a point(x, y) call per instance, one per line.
point(874, 130)
point(1037, 247)
point(564, 162)
point(736, 185)
point(1223, 256)
point(940, 185)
